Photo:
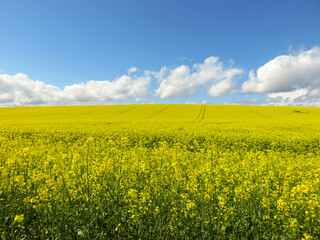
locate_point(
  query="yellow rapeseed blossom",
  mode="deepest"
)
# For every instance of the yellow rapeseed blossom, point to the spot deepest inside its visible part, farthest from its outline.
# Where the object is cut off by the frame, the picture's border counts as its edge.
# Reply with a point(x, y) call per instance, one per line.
point(19, 218)
point(160, 171)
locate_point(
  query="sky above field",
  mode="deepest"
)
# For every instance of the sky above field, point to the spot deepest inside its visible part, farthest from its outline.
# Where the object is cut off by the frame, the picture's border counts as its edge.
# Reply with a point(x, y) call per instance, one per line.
point(78, 52)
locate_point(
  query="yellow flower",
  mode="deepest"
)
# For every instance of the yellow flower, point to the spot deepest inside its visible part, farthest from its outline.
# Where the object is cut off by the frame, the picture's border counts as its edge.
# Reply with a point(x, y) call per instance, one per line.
point(117, 228)
point(157, 210)
point(19, 218)
point(306, 236)
point(190, 205)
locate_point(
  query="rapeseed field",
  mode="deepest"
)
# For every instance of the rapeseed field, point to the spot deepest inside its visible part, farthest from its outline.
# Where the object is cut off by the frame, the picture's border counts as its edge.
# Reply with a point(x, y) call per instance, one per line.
point(160, 172)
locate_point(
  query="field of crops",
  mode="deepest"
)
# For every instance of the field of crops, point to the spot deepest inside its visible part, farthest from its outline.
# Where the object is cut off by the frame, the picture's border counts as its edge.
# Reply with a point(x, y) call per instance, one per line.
point(160, 172)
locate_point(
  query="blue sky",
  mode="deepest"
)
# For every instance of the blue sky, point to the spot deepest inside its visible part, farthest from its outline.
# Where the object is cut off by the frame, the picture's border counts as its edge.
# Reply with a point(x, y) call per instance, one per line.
point(80, 52)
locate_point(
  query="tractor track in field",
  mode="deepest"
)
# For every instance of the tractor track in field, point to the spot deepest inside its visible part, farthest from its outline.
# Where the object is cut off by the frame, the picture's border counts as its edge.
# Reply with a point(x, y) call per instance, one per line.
point(157, 112)
point(259, 114)
point(124, 111)
point(201, 114)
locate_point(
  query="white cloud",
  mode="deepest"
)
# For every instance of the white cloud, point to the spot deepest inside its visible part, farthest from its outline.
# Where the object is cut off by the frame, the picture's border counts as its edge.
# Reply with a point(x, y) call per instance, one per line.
point(183, 82)
point(142, 100)
point(290, 96)
point(184, 59)
point(132, 70)
point(286, 73)
point(298, 97)
point(161, 75)
point(221, 88)
point(20, 90)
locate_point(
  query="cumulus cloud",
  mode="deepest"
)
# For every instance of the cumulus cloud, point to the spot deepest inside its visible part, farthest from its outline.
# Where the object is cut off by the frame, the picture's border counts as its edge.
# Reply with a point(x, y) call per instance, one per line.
point(221, 88)
point(183, 81)
point(20, 90)
point(290, 96)
point(298, 97)
point(132, 70)
point(286, 73)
